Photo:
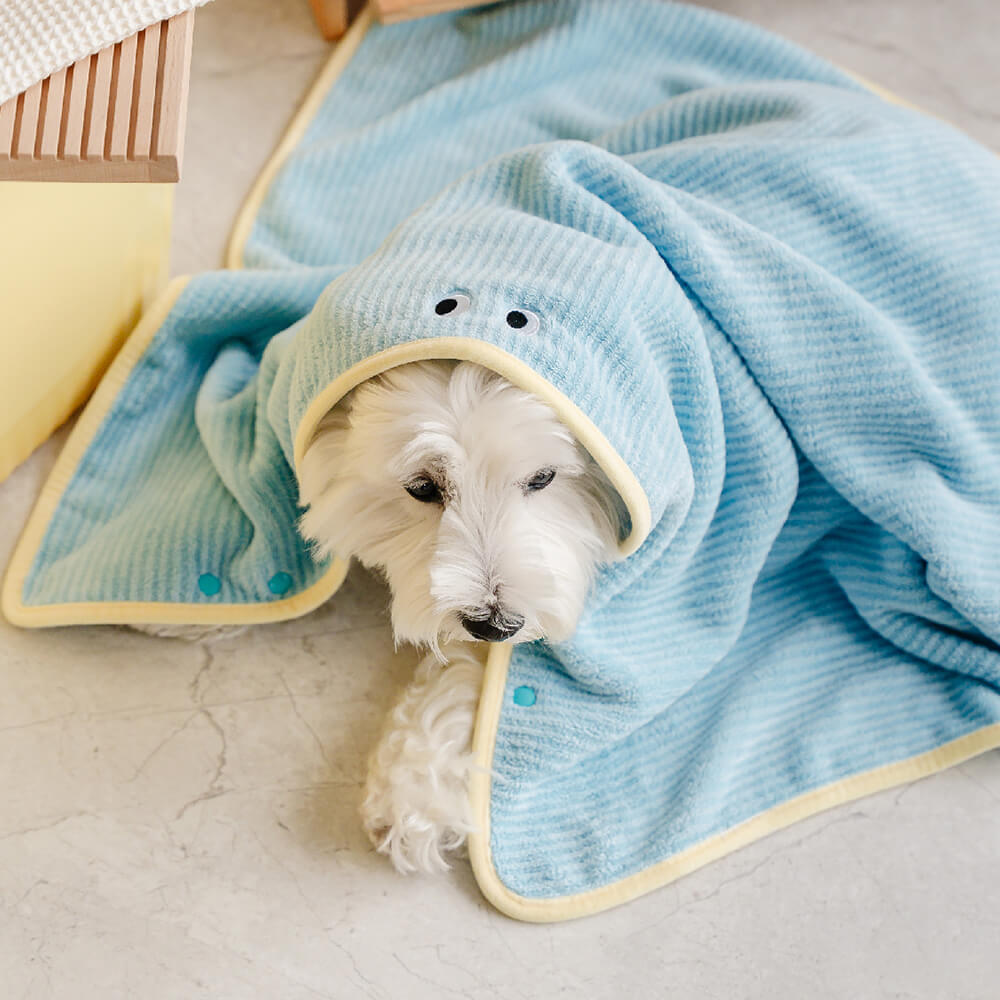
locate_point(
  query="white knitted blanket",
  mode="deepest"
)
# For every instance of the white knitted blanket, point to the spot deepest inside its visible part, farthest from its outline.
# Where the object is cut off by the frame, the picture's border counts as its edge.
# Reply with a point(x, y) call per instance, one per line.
point(40, 37)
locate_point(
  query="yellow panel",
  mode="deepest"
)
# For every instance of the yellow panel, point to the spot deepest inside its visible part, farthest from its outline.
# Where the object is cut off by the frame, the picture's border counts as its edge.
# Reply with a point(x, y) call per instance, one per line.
point(78, 265)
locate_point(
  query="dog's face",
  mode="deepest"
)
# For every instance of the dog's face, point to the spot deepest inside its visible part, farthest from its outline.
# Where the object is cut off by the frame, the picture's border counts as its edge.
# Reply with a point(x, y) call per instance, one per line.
point(474, 500)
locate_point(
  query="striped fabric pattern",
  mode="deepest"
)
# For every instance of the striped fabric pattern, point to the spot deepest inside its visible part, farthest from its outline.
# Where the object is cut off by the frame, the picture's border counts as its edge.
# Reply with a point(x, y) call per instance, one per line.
point(774, 294)
point(182, 485)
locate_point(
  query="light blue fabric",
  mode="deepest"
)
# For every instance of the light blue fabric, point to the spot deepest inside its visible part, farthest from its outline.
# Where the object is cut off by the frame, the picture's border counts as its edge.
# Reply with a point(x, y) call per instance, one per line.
point(776, 295)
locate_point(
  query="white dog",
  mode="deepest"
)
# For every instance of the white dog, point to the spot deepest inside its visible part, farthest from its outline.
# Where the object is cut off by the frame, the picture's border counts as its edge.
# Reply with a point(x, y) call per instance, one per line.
point(488, 520)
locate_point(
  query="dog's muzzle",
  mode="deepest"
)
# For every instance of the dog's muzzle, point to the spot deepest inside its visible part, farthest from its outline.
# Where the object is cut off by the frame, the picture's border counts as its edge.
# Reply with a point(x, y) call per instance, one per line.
point(495, 628)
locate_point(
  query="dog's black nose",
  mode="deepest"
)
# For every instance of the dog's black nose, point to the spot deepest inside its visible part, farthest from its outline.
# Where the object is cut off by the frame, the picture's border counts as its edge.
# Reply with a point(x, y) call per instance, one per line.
point(493, 629)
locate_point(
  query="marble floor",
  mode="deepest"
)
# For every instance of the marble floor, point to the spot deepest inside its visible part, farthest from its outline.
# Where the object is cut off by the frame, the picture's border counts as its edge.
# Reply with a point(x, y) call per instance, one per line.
point(179, 820)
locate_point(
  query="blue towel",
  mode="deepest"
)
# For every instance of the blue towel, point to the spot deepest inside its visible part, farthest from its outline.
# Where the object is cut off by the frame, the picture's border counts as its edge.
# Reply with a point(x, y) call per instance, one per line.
point(770, 307)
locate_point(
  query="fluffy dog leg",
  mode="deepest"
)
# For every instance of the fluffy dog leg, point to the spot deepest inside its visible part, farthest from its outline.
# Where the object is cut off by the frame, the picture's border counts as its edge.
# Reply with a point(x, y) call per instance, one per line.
point(416, 805)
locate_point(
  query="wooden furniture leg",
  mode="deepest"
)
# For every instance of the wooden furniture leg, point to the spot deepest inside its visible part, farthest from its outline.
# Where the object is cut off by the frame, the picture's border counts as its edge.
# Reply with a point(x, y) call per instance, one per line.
point(333, 17)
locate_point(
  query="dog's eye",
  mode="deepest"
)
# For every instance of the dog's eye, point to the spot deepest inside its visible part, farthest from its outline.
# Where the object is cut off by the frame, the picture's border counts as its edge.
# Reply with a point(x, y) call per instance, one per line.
point(424, 489)
point(539, 480)
point(453, 305)
point(523, 321)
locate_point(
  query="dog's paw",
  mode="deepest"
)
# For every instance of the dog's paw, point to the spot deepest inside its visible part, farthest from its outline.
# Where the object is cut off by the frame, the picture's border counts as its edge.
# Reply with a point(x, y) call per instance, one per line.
point(414, 842)
point(415, 811)
point(416, 807)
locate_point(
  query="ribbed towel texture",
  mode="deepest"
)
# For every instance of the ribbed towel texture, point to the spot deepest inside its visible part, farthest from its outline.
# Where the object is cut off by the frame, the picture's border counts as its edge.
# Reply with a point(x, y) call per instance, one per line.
point(776, 295)
point(40, 37)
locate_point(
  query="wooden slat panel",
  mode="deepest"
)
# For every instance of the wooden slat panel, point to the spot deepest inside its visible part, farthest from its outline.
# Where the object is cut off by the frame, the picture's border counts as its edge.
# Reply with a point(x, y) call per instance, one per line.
point(28, 127)
point(75, 111)
point(120, 109)
point(99, 96)
point(47, 141)
point(172, 91)
point(115, 116)
point(8, 112)
point(144, 94)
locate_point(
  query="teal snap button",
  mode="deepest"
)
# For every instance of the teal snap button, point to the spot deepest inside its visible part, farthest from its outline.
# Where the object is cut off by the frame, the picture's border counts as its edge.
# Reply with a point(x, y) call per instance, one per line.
point(525, 696)
point(279, 583)
point(209, 584)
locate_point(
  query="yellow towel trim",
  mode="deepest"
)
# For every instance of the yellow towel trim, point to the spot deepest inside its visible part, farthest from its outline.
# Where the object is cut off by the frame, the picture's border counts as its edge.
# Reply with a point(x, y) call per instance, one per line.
point(498, 662)
point(130, 612)
point(451, 348)
point(672, 868)
point(337, 63)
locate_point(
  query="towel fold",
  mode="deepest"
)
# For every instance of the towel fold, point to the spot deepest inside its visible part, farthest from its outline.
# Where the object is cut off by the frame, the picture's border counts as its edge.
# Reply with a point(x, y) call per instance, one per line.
point(769, 305)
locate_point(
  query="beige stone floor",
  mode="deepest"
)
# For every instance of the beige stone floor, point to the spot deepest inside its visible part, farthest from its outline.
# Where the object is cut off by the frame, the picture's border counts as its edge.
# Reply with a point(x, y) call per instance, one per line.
point(179, 821)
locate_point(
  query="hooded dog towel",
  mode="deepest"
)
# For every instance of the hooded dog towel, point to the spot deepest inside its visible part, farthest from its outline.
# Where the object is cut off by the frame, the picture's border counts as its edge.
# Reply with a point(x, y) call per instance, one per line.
point(767, 301)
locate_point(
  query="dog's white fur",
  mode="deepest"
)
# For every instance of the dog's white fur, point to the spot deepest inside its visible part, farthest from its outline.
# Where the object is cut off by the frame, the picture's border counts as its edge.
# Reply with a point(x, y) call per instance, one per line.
point(497, 544)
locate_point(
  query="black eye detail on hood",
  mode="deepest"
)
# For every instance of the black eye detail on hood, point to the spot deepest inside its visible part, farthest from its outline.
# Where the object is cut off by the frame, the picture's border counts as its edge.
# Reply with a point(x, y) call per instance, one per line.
point(453, 305)
point(523, 321)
